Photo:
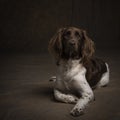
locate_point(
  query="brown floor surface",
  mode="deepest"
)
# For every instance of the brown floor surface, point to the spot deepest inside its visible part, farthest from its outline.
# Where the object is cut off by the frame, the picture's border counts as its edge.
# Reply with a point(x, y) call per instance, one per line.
point(26, 93)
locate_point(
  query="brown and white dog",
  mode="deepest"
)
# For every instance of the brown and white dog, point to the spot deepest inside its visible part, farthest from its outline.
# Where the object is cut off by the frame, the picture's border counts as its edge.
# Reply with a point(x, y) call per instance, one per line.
point(78, 69)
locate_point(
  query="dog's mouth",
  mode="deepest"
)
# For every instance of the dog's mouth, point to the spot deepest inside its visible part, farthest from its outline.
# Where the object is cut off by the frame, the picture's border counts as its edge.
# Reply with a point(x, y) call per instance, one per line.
point(70, 52)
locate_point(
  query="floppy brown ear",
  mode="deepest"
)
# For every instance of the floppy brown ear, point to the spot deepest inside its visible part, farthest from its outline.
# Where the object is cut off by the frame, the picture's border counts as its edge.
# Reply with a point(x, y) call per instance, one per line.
point(87, 48)
point(55, 44)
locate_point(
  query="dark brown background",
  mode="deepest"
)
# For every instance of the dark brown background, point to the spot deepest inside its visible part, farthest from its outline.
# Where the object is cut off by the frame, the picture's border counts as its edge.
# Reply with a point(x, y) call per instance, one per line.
point(27, 25)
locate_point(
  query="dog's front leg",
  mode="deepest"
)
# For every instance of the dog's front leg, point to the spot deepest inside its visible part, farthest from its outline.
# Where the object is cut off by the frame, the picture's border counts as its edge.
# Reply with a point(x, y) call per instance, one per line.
point(67, 98)
point(86, 96)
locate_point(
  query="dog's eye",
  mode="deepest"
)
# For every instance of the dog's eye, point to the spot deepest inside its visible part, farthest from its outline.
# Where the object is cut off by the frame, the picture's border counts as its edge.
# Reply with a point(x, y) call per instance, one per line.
point(68, 33)
point(77, 33)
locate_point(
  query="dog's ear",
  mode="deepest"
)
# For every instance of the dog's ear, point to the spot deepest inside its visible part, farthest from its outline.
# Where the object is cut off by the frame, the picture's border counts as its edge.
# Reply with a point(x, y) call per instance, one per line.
point(88, 48)
point(55, 44)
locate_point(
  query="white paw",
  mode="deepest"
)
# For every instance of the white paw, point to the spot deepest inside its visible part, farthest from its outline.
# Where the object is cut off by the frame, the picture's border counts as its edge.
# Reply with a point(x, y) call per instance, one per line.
point(53, 79)
point(77, 112)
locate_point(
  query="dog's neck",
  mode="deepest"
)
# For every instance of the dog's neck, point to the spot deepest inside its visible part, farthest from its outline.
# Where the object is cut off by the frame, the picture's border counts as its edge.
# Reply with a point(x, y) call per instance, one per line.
point(69, 62)
point(68, 57)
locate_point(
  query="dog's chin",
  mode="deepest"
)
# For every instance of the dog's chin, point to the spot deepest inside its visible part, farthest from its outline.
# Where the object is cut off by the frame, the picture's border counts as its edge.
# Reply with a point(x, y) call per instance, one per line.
point(71, 53)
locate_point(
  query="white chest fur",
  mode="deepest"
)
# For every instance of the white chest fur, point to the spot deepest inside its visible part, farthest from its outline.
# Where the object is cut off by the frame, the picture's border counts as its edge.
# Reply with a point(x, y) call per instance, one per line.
point(68, 72)
point(70, 69)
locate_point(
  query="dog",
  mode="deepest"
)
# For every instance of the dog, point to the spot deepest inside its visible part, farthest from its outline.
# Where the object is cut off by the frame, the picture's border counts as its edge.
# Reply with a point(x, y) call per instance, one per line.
point(79, 70)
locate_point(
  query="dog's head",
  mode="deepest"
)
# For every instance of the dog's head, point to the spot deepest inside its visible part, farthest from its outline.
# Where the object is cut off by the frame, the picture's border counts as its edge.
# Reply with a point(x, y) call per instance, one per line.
point(71, 43)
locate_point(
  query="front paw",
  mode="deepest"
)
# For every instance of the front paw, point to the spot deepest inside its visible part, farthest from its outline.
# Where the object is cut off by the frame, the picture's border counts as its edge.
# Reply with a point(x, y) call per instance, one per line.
point(77, 112)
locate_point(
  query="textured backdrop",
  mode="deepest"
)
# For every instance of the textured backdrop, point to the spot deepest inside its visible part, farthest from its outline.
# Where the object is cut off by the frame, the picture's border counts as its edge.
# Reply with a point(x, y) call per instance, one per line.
point(27, 25)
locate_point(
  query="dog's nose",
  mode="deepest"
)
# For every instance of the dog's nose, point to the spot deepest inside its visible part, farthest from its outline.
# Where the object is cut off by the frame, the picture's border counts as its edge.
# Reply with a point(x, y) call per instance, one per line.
point(72, 42)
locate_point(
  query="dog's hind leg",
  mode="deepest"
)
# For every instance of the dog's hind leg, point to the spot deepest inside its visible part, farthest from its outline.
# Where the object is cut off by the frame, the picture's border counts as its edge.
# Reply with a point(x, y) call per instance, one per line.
point(105, 78)
point(53, 79)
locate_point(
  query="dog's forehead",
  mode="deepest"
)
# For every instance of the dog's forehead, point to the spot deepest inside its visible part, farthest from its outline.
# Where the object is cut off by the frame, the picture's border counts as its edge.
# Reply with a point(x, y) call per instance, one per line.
point(73, 29)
